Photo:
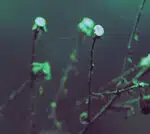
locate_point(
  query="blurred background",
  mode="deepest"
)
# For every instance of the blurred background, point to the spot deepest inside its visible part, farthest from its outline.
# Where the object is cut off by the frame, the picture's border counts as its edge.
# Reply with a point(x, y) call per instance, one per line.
point(116, 16)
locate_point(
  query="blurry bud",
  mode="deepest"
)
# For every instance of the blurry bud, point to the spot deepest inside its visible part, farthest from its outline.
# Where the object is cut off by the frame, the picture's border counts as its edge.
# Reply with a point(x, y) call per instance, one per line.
point(73, 56)
point(129, 60)
point(41, 91)
point(65, 91)
point(136, 36)
point(86, 26)
point(84, 115)
point(58, 124)
point(84, 118)
point(53, 104)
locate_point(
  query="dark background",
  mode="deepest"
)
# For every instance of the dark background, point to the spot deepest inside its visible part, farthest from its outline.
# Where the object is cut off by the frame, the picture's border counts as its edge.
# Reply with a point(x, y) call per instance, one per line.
point(117, 18)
